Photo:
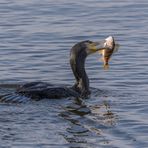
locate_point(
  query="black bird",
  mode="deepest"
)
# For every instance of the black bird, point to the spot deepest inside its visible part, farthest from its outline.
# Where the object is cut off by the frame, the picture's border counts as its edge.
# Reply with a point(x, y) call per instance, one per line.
point(40, 90)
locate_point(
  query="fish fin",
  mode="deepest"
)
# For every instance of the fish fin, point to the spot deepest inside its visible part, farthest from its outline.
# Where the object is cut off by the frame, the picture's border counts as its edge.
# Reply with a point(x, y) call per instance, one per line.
point(101, 59)
point(106, 67)
point(116, 48)
point(101, 51)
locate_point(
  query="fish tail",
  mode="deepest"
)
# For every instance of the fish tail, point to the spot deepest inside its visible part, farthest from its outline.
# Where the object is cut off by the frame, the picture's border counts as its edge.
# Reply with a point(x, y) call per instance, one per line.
point(106, 67)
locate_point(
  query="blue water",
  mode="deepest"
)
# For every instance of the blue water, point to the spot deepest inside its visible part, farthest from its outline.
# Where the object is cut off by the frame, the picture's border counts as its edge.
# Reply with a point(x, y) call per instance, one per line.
point(35, 40)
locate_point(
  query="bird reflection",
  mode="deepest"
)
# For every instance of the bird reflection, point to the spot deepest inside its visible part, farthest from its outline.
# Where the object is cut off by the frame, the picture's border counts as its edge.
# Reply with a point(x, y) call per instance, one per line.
point(87, 121)
point(74, 113)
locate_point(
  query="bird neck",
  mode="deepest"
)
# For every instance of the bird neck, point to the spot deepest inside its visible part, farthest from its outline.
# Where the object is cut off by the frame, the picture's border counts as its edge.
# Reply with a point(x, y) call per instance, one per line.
point(81, 85)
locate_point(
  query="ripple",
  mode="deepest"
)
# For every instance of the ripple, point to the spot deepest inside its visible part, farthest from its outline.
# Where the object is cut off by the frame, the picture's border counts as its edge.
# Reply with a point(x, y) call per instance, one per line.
point(36, 37)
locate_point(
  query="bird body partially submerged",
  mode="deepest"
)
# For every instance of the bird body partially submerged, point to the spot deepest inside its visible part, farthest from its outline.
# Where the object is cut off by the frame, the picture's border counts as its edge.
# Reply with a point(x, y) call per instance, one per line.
point(39, 90)
point(78, 54)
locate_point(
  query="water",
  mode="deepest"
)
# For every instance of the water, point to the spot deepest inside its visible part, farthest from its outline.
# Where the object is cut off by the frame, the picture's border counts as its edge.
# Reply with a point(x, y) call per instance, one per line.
point(35, 39)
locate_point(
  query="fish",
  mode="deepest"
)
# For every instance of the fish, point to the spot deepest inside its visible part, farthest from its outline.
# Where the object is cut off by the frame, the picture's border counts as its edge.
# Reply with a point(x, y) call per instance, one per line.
point(108, 52)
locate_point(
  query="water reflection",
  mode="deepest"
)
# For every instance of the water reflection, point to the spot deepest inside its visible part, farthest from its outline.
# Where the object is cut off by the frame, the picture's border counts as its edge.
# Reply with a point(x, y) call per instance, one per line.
point(104, 113)
point(87, 121)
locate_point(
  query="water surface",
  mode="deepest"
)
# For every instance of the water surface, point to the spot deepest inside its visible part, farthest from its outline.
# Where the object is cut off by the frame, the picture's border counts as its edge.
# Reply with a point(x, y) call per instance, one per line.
point(35, 40)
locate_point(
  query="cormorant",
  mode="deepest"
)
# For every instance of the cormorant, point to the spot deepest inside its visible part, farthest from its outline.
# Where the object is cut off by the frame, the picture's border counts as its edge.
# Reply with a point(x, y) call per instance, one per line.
point(78, 54)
